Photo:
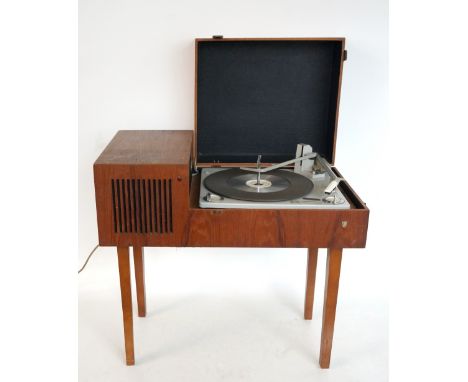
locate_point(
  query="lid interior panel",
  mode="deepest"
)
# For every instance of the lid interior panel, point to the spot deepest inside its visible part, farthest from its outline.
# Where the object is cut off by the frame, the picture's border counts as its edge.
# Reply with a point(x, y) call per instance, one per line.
point(264, 97)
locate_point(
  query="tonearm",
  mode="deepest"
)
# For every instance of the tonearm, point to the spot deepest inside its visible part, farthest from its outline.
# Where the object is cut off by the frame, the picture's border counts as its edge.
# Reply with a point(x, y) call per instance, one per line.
point(263, 170)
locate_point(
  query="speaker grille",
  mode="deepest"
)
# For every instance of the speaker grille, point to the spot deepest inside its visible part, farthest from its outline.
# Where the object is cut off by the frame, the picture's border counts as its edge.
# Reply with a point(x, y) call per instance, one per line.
point(142, 205)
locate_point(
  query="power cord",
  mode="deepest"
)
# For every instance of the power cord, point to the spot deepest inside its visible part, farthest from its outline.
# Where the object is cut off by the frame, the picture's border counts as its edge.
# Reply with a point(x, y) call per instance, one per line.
point(89, 256)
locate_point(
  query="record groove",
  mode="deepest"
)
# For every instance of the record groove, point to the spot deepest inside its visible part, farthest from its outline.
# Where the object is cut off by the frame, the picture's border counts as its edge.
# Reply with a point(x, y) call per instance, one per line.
point(237, 184)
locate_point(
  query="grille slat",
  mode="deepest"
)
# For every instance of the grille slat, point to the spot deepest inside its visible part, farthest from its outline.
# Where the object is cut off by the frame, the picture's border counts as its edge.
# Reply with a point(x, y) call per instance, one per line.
point(170, 205)
point(123, 220)
point(138, 209)
point(160, 206)
point(165, 205)
point(147, 204)
point(133, 206)
point(142, 206)
point(128, 208)
point(119, 207)
point(155, 201)
point(114, 208)
point(150, 213)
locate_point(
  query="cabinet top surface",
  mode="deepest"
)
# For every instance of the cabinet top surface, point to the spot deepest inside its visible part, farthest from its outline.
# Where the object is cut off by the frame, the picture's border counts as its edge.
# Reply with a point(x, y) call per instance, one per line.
point(136, 147)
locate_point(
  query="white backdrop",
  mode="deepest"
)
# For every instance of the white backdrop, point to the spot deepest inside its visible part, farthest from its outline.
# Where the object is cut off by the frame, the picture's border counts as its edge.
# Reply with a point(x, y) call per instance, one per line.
point(136, 71)
point(208, 329)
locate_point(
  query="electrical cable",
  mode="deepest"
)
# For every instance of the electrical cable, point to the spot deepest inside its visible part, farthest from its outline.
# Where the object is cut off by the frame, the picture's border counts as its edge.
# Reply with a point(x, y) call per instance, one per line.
point(89, 256)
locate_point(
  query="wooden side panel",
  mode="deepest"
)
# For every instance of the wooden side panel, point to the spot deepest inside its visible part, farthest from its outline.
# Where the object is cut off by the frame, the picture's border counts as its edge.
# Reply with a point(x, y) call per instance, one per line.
point(277, 228)
point(141, 205)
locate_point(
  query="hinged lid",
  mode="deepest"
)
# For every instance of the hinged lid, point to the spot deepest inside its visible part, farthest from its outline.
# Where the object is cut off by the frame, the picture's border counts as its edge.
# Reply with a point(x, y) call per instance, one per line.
point(264, 96)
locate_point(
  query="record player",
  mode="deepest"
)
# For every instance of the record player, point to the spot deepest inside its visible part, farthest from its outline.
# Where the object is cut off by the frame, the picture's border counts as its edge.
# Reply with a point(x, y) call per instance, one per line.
point(310, 185)
point(257, 171)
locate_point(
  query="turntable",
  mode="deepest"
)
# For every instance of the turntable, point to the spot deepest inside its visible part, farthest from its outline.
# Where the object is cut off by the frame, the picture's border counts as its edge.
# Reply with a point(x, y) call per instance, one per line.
point(310, 185)
point(242, 178)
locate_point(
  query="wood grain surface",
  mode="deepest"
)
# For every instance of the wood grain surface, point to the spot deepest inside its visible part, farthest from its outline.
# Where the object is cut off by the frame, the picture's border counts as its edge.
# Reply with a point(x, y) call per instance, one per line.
point(310, 282)
point(134, 147)
point(205, 227)
point(139, 263)
point(124, 218)
point(126, 294)
point(329, 305)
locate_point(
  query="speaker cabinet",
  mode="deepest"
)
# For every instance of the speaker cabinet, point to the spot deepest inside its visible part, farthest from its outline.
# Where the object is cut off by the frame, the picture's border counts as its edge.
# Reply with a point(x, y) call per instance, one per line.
point(142, 183)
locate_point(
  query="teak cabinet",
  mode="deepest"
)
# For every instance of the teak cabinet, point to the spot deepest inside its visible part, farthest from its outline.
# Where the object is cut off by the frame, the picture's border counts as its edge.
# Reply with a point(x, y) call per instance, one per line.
point(147, 195)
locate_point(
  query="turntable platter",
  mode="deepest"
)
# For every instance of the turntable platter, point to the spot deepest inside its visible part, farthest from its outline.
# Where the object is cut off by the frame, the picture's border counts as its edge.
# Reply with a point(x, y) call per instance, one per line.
point(274, 186)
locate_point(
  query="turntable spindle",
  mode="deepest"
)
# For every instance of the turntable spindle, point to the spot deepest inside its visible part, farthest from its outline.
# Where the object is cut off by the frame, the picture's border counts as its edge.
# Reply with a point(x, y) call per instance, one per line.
point(259, 158)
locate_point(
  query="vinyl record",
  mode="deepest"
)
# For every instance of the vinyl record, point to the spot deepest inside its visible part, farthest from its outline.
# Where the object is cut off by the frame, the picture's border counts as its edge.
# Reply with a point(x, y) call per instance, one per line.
point(274, 186)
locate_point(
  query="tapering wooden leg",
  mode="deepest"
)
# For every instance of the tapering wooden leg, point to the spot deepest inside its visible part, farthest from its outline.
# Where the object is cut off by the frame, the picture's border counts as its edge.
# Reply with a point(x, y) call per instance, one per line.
point(310, 283)
point(329, 305)
point(126, 293)
point(139, 261)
